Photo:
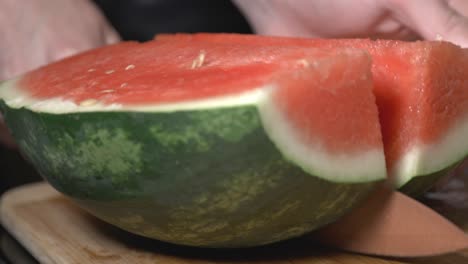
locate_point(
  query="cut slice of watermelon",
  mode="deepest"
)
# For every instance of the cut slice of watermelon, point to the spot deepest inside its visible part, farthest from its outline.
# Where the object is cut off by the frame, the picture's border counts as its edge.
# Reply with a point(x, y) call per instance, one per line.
point(422, 95)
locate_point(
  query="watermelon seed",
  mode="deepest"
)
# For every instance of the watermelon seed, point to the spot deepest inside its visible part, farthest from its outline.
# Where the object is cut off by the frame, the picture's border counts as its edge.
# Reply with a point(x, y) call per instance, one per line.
point(439, 37)
point(129, 67)
point(303, 62)
point(198, 62)
point(123, 85)
point(109, 72)
point(91, 70)
point(89, 102)
point(79, 78)
point(108, 91)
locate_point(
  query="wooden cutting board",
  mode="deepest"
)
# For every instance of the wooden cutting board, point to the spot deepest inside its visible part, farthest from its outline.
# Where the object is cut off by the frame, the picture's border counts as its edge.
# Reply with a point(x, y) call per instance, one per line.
point(55, 231)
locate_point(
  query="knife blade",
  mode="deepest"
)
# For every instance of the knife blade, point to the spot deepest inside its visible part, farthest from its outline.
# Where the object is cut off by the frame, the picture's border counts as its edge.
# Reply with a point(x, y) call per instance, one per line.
point(392, 224)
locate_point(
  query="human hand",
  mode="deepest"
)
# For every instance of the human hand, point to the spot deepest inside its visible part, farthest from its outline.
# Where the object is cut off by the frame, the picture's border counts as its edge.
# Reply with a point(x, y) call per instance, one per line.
point(392, 19)
point(36, 32)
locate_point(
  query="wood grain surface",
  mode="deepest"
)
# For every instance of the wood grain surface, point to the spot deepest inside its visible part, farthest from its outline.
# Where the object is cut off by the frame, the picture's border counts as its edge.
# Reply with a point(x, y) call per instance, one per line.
point(55, 231)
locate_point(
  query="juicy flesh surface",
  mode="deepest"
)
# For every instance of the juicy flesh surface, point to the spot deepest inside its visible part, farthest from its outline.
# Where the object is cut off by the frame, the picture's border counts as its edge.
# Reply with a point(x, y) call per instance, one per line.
point(422, 93)
point(333, 108)
point(344, 114)
point(420, 87)
point(133, 73)
point(154, 72)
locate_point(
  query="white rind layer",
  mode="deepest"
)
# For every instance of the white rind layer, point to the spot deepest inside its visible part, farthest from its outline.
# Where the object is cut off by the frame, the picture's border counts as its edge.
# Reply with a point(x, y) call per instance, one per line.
point(425, 159)
point(355, 168)
point(345, 168)
point(15, 97)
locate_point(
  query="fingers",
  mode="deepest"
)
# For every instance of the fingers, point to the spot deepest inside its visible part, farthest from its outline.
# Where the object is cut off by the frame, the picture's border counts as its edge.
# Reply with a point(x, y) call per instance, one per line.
point(63, 53)
point(72, 44)
point(432, 19)
point(460, 6)
point(259, 14)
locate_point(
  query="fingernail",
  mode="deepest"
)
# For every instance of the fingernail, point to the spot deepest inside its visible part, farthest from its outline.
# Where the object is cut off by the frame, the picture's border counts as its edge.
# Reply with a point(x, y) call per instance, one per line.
point(67, 52)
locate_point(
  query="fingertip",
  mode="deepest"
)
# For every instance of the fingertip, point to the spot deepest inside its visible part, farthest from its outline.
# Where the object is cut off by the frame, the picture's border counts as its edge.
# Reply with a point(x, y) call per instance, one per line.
point(66, 52)
point(432, 20)
point(112, 36)
point(456, 34)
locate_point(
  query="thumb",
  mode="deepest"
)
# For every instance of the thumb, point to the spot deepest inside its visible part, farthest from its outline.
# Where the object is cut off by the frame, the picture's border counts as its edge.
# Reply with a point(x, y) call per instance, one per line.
point(432, 19)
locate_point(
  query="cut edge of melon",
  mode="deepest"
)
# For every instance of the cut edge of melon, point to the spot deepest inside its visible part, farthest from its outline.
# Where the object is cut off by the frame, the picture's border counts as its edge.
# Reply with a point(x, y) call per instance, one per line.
point(367, 166)
point(16, 97)
point(425, 159)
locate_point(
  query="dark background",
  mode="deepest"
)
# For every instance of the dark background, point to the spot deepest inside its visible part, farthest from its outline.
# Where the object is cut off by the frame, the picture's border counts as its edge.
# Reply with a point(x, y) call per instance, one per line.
point(142, 19)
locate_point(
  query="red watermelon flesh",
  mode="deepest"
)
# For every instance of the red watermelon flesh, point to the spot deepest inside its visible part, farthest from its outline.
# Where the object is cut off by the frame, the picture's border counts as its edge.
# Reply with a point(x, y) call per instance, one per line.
point(421, 90)
point(125, 73)
point(314, 95)
point(328, 110)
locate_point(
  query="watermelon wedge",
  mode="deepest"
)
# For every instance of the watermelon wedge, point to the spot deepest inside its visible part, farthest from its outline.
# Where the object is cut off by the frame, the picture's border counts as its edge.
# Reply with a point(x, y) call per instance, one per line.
point(422, 95)
point(213, 145)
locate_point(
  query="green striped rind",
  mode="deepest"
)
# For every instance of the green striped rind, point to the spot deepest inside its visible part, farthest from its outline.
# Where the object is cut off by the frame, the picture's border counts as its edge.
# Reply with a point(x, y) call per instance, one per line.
point(208, 178)
point(429, 163)
point(419, 185)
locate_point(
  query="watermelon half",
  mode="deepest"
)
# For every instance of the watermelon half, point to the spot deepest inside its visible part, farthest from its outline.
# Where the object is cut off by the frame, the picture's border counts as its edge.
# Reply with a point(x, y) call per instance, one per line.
point(422, 96)
point(213, 145)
